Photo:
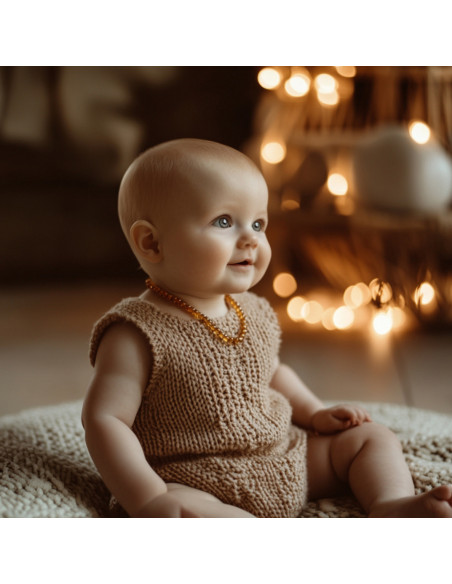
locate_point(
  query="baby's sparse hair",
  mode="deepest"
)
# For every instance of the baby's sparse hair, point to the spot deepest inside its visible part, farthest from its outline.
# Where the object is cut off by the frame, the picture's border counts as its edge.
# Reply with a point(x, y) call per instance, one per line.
point(160, 171)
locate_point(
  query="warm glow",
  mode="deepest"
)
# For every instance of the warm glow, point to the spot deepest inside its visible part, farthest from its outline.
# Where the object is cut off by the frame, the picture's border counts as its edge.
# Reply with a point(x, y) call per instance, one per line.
point(298, 85)
point(419, 132)
point(398, 317)
point(343, 317)
point(294, 307)
point(325, 83)
point(284, 284)
point(328, 319)
point(312, 312)
point(346, 71)
point(357, 295)
point(424, 294)
point(382, 322)
point(289, 205)
point(331, 98)
point(380, 290)
point(273, 152)
point(337, 184)
point(269, 78)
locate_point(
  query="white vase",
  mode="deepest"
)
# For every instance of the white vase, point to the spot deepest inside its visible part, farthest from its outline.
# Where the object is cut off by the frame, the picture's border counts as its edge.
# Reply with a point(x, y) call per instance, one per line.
point(393, 172)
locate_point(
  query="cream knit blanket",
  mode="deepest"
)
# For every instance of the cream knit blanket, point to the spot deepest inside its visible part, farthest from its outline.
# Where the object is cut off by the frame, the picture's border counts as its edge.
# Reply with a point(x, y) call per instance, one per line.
point(46, 470)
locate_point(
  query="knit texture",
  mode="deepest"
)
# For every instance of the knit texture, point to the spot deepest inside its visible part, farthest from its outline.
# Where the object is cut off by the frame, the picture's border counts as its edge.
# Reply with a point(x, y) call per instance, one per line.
point(208, 417)
point(46, 470)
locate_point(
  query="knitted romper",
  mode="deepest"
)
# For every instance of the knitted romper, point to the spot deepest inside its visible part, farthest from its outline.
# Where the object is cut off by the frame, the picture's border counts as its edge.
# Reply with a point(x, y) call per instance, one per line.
point(208, 417)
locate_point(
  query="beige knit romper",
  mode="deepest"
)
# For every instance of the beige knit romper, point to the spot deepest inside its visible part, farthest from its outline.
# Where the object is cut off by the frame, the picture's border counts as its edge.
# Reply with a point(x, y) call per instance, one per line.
point(208, 418)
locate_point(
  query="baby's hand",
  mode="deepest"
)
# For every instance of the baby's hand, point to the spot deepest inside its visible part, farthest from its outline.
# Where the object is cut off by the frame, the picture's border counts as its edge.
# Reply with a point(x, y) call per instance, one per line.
point(165, 505)
point(339, 418)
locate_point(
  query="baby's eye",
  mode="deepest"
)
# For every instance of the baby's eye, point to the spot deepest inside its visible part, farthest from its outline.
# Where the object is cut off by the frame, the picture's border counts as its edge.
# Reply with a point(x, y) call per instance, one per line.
point(223, 222)
point(258, 225)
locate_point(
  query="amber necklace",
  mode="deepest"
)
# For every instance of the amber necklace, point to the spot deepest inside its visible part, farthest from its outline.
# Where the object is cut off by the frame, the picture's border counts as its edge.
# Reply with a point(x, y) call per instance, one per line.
point(202, 317)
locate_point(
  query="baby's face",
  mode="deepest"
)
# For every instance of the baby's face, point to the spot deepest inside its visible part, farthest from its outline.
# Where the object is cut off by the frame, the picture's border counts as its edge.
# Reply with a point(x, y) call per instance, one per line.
point(213, 238)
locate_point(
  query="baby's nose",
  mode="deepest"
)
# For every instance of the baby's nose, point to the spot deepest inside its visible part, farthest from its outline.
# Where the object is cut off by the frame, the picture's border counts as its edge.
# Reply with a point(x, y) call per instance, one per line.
point(248, 240)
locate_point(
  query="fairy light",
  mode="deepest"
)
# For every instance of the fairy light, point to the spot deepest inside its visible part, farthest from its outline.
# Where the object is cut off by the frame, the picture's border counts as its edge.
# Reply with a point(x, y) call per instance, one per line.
point(269, 78)
point(325, 83)
point(284, 284)
point(382, 322)
point(273, 152)
point(346, 71)
point(330, 99)
point(424, 294)
point(352, 314)
point(343, 317)
point(337, 184)
point(419, 132)
point(380, 291)
point(312, 311)
point(328, 319)
point(298, 85)
point(294, 307)
point(357, 295)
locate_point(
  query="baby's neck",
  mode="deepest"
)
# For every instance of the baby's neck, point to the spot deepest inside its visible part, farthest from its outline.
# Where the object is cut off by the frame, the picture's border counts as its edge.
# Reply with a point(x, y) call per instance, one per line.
point(213, 307)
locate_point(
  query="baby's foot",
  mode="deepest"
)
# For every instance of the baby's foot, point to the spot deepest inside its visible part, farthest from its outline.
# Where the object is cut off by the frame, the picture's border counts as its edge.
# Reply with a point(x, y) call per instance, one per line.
point(434, 503)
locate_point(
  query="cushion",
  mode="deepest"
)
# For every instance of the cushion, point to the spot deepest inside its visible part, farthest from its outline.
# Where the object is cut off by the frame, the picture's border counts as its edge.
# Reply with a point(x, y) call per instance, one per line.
point(47, 470)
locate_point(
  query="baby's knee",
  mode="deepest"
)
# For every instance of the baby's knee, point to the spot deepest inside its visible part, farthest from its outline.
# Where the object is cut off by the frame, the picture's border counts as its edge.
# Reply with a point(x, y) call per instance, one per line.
point(347, 445)
point(376, 431)
point(355, 439)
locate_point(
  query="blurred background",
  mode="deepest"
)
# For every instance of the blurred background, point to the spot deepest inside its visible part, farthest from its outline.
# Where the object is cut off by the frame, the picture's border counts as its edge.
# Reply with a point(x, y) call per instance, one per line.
point(358, 164)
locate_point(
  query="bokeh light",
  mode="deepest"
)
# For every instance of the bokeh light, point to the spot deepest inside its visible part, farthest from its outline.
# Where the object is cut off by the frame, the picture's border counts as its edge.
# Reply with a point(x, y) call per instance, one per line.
point(337, 184)
point(424, 294)
point(273, 152)
point(343, 317)
point(419, 132)
point(298, 85)
point(284, 284)
point(294, 307)
point(269, 78)
point(382, 322)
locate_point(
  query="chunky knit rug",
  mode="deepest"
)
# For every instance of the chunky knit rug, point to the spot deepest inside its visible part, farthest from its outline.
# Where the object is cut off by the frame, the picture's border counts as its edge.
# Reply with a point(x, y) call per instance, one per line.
point(46, 470)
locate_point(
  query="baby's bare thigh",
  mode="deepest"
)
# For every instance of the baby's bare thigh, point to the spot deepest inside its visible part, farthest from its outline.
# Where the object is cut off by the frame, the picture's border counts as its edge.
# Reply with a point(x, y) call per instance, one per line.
point(322, 478)
point(205, 504)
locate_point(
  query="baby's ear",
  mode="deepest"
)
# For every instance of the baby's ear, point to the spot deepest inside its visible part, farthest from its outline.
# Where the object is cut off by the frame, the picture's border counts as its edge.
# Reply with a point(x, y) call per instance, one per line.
point(144, 240)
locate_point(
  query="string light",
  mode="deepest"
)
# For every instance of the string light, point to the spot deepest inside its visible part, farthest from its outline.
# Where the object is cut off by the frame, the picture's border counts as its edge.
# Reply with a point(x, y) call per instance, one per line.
point(312, 311)
point(328, 98)
point(298, 85)
point(419, 132)
point(284, 284)
point(294, 307)
point(343, 317)
point(269, 78)
point(424, 294)
point(337, 184)
point(325, 83)
point(273, 152)
point(382, 322)
point(328, 319)
point(357, 295)
point(346, 71)
point(381, 292)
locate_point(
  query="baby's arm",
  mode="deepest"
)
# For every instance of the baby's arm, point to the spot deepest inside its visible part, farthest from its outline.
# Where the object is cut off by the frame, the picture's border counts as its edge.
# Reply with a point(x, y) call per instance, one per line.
point(122, 369)
point(307, 409)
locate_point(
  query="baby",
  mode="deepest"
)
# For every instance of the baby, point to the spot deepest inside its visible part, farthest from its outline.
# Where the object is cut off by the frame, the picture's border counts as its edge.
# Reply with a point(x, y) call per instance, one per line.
point(190, 413)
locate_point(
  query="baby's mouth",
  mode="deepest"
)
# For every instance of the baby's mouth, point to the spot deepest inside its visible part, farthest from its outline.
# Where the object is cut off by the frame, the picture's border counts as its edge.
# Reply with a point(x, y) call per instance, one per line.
point(242, 263)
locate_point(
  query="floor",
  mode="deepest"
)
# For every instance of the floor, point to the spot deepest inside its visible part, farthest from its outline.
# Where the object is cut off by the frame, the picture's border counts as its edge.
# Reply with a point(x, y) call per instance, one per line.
point(44, 335)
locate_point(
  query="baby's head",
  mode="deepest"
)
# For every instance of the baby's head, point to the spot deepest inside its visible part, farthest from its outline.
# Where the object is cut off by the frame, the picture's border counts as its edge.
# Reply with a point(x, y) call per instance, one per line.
point(185, 185)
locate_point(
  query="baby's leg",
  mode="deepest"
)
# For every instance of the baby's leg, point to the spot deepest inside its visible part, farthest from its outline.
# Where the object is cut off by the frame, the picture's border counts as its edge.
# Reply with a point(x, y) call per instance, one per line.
point(370, 460)
point(204, 504)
